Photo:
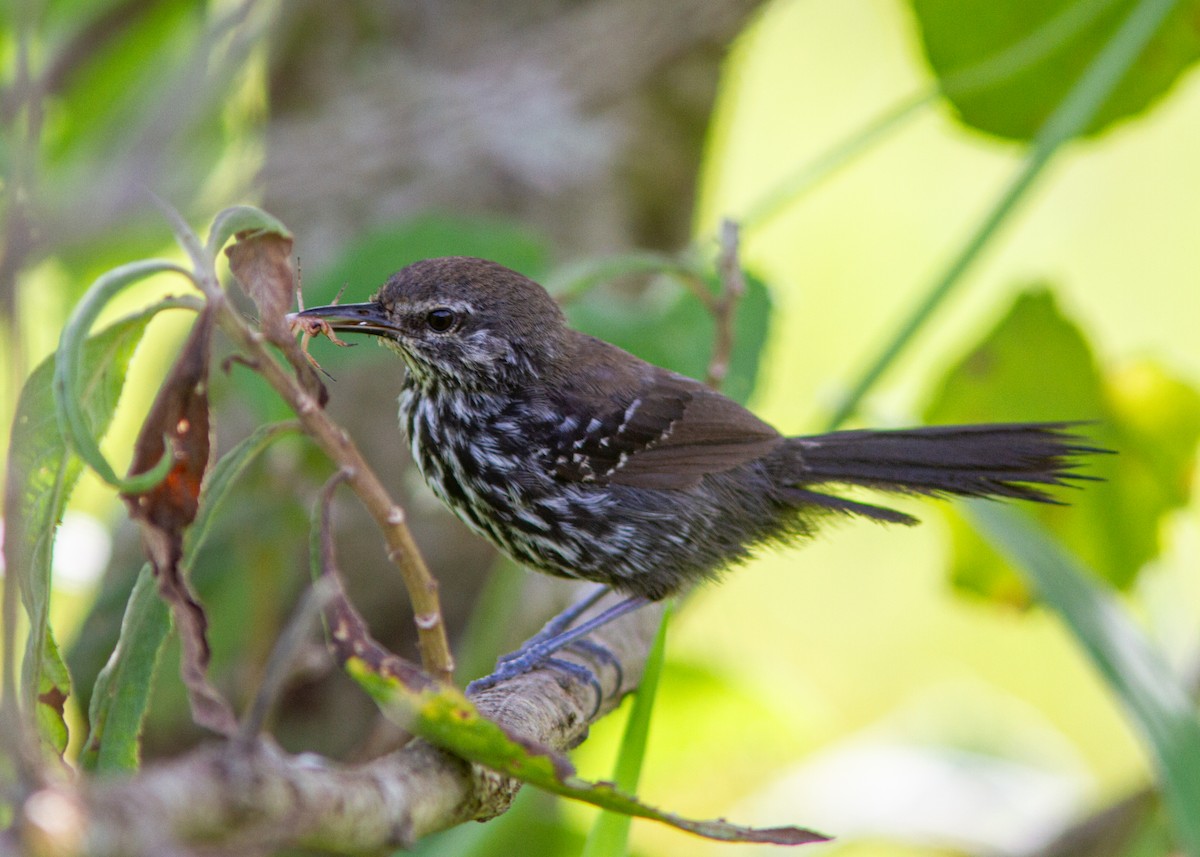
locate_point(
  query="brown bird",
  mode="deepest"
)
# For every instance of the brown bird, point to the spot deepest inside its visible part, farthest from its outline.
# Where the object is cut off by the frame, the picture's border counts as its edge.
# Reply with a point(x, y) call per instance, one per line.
point(580, 460)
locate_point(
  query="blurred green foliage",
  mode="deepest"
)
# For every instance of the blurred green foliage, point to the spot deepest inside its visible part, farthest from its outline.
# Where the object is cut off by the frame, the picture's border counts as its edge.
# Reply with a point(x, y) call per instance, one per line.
point(1057, 41)
point(48, 471)
point(1037, 365)
point(665, 324)
point(366, 261)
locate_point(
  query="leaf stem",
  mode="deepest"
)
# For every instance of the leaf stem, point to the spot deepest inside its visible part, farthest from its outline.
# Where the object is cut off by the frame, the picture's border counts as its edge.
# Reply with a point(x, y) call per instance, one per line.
point(609, 836)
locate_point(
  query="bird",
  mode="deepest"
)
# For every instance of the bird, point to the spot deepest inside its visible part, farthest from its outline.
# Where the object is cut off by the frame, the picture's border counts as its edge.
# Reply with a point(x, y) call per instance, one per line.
point(580, 460)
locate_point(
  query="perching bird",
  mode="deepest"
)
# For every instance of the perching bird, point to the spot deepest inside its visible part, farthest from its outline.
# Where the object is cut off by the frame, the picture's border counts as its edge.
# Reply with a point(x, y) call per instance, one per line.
point(581, 460)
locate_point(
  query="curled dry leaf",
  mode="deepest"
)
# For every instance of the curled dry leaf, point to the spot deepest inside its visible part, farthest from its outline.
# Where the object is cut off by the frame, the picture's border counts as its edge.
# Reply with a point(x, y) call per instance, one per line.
point(262, 262)
point(178, 426)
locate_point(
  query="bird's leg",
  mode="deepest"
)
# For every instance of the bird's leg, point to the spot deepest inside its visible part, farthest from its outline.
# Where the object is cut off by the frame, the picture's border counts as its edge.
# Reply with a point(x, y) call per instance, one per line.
point(556, 635)
point(560, 622)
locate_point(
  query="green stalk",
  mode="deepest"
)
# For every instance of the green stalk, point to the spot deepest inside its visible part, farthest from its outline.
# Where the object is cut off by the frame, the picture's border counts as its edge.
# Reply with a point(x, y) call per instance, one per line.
point(610, 834)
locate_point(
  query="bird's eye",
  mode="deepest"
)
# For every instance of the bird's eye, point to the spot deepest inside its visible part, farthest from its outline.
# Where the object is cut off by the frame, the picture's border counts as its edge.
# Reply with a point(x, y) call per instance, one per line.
point(440, 320)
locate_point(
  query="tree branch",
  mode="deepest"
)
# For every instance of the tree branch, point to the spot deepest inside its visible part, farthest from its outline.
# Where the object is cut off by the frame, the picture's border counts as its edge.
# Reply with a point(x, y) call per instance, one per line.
point(235, 796)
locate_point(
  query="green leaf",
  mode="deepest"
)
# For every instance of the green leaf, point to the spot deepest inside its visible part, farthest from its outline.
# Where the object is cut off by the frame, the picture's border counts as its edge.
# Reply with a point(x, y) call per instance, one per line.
point(241, 218)
point(54, 687)
point(667, 325)
point(610, 833)
point(1034, 364)
point(1037, 365)
point(115, 73)
point(42, 474)
point(443, 716)
point(219, 481)
point(69, 367)
point(1156, 701)
point(175, 106)
point(121, 696)
point(366, 263)
point(1059, 39)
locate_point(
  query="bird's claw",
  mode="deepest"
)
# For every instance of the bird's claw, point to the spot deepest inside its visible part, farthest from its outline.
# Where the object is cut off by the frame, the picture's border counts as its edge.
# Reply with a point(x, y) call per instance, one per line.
point(521, 662)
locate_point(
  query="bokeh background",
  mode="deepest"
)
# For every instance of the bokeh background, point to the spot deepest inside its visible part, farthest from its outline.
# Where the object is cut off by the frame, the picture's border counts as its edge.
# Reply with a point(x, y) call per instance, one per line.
point(899, 688)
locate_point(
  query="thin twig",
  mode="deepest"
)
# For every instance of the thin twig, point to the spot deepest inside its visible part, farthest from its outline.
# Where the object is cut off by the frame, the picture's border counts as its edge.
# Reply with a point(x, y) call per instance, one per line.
point(724, 306)
point(389, 516)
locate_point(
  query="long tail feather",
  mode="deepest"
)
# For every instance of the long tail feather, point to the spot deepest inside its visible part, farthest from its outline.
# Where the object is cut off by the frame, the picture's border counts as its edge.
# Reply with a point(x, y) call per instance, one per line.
point(1013, 460)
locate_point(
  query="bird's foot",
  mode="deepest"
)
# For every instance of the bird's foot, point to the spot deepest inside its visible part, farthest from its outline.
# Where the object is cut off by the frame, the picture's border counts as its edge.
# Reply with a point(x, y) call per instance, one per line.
point(558, 634)
point(514, 665)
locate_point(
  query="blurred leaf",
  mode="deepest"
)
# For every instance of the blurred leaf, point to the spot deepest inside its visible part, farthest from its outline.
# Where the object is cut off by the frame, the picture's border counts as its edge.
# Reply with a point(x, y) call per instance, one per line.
point(366, 263)
point(42, 474)
point(1068, 118)
point(244, 218)
point(135, 95)
point(1156, 701)
point(111, 69)
point(1037, 365)
point(69, 368)
point(220, 479)
point(53, 688)
point(121, 696)
point(666, 325)
point(1159, 418)
point(570, 282)
point(122, 691)
point(958, 35)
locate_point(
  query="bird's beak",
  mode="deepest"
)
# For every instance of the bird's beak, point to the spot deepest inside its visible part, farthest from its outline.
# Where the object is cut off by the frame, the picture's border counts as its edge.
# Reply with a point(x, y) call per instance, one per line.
point(367, 318)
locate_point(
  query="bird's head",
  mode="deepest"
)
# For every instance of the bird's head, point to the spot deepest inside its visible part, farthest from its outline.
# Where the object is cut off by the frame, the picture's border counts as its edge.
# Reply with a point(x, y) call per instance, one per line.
point(458, 322)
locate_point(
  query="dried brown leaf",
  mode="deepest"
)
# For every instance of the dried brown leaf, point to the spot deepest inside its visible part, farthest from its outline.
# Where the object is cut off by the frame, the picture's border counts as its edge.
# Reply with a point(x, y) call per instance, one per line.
point(178, 425)
point(262, 263)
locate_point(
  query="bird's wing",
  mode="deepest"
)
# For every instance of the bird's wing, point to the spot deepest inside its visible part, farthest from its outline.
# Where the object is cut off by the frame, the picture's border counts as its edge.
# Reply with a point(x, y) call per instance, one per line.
point(665, 432)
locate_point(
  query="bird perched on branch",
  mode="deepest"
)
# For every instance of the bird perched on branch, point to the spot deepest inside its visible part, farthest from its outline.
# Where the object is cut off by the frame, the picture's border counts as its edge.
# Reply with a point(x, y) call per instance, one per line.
point(580, 460)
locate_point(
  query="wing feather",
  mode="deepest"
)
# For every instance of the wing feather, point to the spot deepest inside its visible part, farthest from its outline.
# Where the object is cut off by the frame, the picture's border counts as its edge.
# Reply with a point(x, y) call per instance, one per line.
point(667, 432)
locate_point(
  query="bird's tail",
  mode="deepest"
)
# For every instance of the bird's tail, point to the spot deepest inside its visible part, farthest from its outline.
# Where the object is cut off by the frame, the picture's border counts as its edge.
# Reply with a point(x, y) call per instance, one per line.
point(1013, 460)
